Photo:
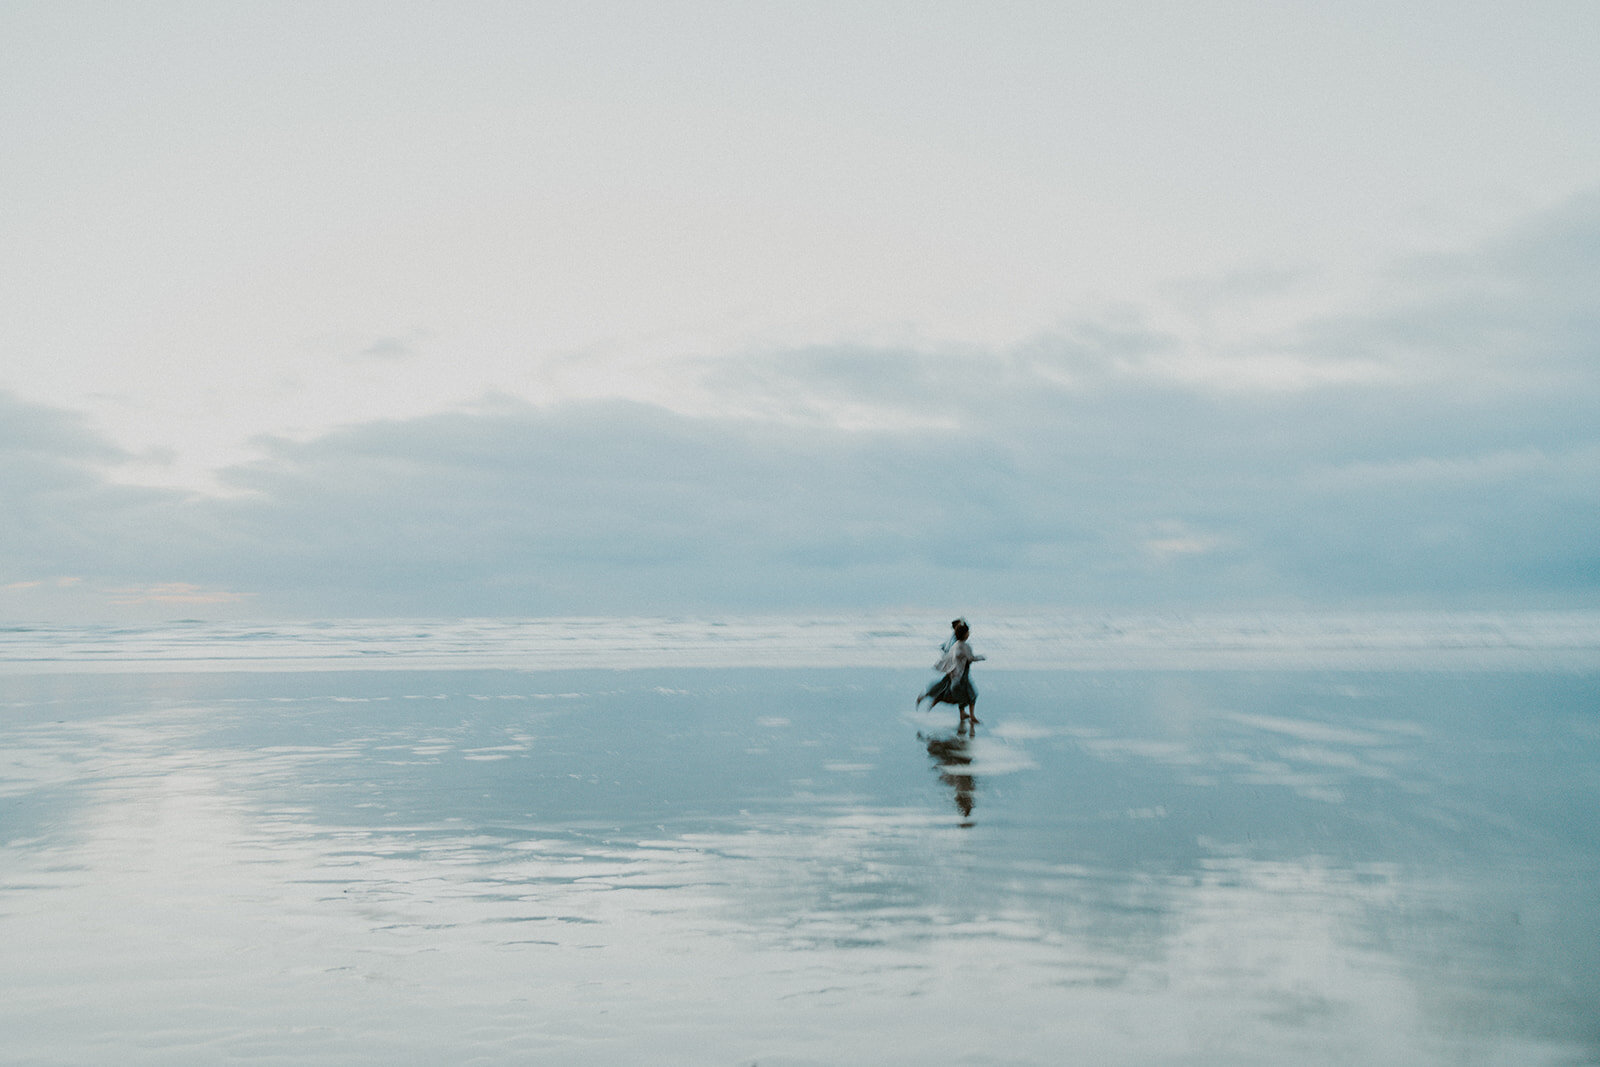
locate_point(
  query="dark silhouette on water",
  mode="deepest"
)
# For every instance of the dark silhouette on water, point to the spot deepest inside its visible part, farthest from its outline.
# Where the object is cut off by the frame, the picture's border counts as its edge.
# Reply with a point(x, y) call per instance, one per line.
point(955, 687)
point(954, 758)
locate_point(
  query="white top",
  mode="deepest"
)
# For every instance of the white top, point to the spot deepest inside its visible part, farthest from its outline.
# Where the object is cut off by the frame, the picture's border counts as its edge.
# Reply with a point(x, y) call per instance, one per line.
point(957, 659)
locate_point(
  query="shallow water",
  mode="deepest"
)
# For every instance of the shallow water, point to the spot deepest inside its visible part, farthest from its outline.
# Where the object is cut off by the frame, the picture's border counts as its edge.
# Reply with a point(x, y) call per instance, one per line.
point(1416, 640)
point(786, 866)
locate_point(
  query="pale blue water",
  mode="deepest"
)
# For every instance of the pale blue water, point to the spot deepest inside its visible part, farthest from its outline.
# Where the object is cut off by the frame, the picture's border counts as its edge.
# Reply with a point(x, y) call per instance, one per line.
point(1468, 641)
point(790, 865)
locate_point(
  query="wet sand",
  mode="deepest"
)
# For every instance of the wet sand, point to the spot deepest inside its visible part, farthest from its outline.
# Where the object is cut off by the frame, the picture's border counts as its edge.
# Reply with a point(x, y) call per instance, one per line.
point(794, 867)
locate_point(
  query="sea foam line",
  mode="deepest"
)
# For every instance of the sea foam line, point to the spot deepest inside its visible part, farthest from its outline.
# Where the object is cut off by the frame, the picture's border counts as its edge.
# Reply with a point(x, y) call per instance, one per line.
point(1558, 640)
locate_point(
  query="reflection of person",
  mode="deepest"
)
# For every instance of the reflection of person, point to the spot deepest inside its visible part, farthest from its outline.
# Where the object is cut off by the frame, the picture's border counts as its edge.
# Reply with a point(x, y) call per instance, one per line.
point(955, 687)
point(954, 762)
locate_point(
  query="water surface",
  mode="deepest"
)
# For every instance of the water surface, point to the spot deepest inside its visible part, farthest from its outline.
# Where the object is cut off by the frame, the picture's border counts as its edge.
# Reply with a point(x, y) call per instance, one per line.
point(793, 866)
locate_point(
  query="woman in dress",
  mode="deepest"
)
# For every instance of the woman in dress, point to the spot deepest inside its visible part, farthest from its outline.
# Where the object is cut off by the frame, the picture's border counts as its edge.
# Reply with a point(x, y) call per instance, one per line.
point(944, 650)
point(955, 687)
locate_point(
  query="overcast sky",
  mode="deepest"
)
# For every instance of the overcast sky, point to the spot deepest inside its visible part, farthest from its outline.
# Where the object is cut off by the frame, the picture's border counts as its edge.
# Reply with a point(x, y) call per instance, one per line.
point(349, 309)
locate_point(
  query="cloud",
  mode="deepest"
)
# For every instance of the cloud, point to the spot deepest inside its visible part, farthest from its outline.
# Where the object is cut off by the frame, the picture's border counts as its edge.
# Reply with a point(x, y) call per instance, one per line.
point(389, 348)
point(1171, 540)
point(1438, 448)
point(52, 483)
point(44, 437)
point(600, 506)
point(1515, 317)
point(172, 593)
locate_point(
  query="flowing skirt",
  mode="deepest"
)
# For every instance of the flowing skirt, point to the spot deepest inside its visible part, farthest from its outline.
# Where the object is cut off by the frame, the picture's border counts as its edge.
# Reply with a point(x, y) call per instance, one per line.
point(948, 690)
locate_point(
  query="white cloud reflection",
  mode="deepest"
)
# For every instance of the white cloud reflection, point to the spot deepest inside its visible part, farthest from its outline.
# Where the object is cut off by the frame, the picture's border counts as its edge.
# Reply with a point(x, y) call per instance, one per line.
point(314, 866)
point(249, 932)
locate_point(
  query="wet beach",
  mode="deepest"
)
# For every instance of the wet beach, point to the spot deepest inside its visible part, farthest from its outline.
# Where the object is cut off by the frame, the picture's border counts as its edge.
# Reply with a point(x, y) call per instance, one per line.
point(794, 867)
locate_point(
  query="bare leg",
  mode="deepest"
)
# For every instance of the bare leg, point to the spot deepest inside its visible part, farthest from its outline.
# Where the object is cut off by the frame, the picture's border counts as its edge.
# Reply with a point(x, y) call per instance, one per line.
point(972, 712)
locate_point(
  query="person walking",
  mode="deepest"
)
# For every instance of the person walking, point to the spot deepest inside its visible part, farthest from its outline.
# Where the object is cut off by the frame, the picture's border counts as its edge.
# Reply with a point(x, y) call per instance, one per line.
point(955, 684)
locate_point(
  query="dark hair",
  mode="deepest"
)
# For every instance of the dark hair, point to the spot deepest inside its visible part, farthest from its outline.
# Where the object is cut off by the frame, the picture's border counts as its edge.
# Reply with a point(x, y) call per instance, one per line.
point(962, 630)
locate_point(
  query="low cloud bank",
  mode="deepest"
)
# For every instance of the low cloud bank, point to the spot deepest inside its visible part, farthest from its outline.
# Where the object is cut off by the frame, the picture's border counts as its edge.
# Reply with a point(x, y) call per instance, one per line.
point(1440, 449)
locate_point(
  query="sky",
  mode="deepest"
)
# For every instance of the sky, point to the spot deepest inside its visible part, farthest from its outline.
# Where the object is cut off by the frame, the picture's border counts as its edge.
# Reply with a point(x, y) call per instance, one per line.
point(403, 309)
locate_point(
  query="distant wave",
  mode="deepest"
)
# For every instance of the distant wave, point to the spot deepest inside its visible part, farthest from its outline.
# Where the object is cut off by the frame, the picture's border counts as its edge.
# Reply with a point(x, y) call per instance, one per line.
point(1561, 640)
